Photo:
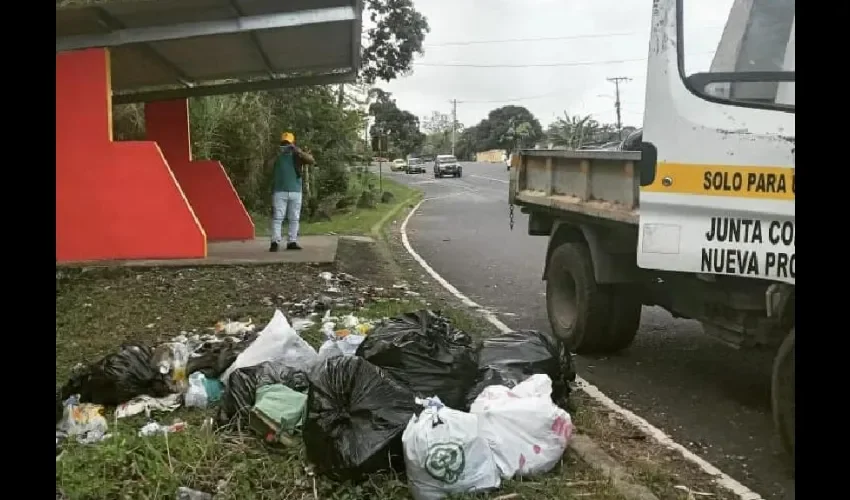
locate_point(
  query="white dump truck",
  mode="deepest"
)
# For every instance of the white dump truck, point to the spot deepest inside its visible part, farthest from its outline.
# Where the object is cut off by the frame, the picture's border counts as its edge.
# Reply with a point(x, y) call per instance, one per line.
point(700, 218)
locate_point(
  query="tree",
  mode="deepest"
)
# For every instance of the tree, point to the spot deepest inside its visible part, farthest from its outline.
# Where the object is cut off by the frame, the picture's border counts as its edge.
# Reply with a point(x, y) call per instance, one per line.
point(511, 127)
point(573, 131)
point(401, 127)
point(439, 129)
point(394, 40)
point(437, 122)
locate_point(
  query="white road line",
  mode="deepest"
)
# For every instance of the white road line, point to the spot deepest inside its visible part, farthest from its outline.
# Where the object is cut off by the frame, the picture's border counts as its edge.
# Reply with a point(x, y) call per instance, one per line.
point(720, 478)
point(489, 178)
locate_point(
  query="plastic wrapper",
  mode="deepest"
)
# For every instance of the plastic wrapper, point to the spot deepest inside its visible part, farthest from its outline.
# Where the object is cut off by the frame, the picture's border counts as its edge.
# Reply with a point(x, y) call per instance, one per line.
point(119, 377)
point(425, 353)
point(355, 418)
point(445, 454)
point(511, 358)
point(196, 396)
point(240, 393)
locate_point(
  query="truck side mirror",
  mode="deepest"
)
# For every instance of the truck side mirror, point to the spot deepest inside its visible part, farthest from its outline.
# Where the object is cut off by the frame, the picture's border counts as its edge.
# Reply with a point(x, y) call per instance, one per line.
point(647, 163)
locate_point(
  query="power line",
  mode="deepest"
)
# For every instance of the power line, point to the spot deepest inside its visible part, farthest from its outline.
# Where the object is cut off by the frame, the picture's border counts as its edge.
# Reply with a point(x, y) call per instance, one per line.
point(536, 39)
point(544, 65)
point(547, 38)
point(526, 98)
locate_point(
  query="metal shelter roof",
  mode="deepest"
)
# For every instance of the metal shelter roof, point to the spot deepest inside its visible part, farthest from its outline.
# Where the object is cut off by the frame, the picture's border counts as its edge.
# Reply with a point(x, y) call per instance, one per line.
point(170, 49)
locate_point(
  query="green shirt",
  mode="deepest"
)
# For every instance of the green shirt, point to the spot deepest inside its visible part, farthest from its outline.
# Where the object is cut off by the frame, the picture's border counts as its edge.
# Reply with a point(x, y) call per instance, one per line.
point(286, 180)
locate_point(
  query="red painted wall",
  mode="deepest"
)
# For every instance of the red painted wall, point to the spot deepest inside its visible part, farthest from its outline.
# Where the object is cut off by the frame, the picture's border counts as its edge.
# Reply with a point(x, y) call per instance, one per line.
point(205, 183)
point(114, 201)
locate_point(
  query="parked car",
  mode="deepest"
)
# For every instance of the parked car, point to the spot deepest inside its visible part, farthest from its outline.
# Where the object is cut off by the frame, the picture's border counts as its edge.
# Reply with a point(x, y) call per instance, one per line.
point(447, 164)
point(415, 166)
point(398, 165)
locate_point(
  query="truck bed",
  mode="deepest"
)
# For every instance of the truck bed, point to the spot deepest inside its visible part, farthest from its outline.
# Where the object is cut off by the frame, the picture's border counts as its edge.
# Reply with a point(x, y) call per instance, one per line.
point(603, 184)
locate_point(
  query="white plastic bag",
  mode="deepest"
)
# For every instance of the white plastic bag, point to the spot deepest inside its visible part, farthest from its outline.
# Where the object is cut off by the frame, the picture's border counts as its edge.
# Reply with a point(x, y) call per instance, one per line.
point(196, 396)
point(277, 342)
point(84, 421)
point(444, 454)
point(527, 432)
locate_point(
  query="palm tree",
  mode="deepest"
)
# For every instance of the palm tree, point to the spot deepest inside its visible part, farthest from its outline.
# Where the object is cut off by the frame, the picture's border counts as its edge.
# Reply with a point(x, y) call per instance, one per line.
point(572, 132)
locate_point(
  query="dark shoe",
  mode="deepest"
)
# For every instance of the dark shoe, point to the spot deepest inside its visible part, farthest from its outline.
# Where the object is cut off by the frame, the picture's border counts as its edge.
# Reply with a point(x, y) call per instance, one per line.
point(274, 247)
point(293, 246)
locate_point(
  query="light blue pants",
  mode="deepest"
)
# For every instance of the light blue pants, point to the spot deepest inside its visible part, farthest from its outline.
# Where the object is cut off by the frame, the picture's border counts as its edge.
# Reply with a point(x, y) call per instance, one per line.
point(286, 205)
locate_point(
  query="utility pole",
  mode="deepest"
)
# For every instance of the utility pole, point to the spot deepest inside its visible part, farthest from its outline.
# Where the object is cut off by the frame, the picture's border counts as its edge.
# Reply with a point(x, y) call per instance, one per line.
point(454, 124)
point(616, 81)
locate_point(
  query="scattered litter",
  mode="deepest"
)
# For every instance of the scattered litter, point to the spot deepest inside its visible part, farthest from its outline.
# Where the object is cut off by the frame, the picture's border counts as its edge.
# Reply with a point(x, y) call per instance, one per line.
point(444, 453)
point(692, 494)
point(355, 418)
point(154, 428)
point(213, 355)
point(425, 353)
point(277, 342)
point(147, 404)
point(118, 377)
point(241, 390)
point(184, 493)
point(83, 421)
point(301, 324)
point(510, 358)
point(234, 327)
point(527, 432)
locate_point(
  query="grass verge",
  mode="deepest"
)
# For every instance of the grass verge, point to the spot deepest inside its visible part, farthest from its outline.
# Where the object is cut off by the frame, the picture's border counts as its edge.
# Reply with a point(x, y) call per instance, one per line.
point(98, 309)
point(353, 221)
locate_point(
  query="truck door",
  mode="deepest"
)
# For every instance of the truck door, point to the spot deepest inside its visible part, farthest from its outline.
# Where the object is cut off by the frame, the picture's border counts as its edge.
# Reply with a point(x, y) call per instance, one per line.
point(719, 196)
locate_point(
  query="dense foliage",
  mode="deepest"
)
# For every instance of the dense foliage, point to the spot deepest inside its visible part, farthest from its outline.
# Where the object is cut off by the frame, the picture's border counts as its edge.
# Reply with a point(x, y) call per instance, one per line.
point(243, 130)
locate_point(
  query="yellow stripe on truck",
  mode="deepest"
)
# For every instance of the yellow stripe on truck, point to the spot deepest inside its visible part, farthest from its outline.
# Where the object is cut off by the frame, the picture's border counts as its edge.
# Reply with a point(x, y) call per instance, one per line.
point(774, 183)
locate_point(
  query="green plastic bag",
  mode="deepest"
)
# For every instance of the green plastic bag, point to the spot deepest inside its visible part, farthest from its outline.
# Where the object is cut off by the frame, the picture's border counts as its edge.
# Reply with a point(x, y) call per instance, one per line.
point(281, 404)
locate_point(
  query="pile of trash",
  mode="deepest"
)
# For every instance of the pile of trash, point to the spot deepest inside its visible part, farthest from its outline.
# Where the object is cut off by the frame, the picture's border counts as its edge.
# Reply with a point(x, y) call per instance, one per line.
point(410, 393)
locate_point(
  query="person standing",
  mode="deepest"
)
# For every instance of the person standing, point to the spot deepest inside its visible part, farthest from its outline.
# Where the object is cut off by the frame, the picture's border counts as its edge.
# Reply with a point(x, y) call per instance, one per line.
point(287, 191)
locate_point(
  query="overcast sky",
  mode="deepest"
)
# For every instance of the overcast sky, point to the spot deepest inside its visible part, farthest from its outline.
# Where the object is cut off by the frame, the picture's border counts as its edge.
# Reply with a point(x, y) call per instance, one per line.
point(602, 31)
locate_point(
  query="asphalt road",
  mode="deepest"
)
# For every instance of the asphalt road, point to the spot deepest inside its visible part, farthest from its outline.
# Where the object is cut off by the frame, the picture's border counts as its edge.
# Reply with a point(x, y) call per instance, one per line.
point(707, 396)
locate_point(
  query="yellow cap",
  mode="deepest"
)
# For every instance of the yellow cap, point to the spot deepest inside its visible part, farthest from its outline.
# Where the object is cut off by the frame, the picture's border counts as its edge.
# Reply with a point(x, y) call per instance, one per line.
point(287, 136)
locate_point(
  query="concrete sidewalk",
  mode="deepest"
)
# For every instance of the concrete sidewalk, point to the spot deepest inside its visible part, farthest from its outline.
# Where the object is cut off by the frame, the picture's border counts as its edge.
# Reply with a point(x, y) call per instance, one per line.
point(316, 250)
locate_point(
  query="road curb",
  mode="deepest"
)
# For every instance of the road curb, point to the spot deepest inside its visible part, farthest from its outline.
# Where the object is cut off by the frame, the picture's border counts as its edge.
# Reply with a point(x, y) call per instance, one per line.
point(590, 453)
point(376, 229)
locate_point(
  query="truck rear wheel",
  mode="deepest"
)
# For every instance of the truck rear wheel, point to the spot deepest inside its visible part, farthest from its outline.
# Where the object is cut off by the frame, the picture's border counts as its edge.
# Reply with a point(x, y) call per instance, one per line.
point(783, 393)
point(589, 318)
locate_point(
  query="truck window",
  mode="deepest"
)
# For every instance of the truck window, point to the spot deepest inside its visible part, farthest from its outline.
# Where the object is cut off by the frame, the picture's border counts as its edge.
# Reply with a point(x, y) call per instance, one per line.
point(739, 51)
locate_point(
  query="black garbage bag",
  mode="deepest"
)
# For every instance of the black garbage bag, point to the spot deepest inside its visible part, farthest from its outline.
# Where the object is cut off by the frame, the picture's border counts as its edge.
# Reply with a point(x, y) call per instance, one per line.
point(425, 353)
point(355, 417)
point(117, 378)
point(213, 358)
point(240, 392)
point(510, 358)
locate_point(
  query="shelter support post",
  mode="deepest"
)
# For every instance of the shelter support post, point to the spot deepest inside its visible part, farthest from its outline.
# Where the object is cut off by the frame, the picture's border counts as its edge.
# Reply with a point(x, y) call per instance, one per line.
point(114, 200)
point(204, 182)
